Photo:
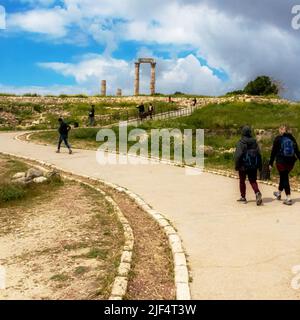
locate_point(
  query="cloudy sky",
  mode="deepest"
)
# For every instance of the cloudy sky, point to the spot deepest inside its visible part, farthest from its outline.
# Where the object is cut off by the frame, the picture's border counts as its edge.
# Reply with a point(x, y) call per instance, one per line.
point(201, 46)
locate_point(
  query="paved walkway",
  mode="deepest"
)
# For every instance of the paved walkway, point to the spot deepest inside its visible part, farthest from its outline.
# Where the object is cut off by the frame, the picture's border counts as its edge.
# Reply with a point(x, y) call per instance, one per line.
point(235, 251)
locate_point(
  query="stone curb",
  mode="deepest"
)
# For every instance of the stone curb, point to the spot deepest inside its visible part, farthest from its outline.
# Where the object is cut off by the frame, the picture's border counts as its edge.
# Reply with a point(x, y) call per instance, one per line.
point(179, 257)
point(119, 288)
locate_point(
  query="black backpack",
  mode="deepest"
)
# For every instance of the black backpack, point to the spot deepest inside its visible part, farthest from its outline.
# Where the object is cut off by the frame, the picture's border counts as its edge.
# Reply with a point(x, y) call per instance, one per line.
point(250, 159)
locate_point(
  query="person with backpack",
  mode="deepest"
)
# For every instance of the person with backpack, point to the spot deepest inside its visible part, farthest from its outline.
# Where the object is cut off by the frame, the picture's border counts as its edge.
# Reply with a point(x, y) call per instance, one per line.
point(63, 130)
point(285, 150)
point(92, 116)
point(247, 161)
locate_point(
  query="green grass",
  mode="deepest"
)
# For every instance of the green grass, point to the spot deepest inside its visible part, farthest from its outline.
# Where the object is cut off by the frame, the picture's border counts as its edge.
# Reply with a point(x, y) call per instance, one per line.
point(222, 124)
point(60, 277)
point(97, 253)
point(107, 112)
point(13, 193)
point(10, 192)
point(81, 270)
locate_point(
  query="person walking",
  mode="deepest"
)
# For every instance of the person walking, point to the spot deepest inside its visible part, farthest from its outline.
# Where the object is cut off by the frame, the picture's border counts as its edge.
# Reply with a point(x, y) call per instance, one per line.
point(151, 110)
point(247, 162)
point(92, 116)
point(286, 152)
point(63, 130)
point(141, 109)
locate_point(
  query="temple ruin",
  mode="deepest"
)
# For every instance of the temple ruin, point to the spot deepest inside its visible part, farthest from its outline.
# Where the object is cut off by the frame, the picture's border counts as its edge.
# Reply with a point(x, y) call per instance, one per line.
point(137, 75)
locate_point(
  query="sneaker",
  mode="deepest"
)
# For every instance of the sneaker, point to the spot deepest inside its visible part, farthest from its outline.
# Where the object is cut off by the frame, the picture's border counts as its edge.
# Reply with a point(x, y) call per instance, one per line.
point(288, 202)
point(258, 199)
point(277, 195)
point(242, 200)
point(70, 151)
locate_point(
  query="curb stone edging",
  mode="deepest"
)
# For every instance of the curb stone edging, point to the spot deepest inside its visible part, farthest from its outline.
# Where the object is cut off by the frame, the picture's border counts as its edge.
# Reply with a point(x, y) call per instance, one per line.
point(179, 257)
point(119, 288)
point(180, 264)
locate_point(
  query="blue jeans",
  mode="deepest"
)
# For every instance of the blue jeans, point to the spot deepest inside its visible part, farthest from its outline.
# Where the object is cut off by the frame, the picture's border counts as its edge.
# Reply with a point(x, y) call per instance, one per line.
point(63, 138)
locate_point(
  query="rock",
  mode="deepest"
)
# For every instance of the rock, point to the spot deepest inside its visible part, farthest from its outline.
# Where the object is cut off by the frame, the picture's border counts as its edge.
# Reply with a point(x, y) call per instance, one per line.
point(19, 175)
point(52, 174)
point(34, 173)
point(21, 180)
point(208, 151)
point(40, 180)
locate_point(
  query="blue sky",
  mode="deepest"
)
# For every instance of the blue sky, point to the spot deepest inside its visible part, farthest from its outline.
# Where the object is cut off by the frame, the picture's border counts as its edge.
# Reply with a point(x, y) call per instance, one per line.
point(202, 47)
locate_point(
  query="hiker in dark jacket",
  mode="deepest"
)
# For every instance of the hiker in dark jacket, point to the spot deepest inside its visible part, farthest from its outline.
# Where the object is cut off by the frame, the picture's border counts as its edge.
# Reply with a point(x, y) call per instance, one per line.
point(285, 151)
point(92, 116)
point(63, 130)
point(247, 162)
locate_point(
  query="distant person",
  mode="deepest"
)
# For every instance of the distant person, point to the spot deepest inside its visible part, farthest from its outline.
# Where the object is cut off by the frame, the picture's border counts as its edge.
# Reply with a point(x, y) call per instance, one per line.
point(63, 130)
point(92, 116)
point(285, 151)
point(247, 162)
point(151, 110)
point(170, 99)
point(194, 103)
point(141, 109)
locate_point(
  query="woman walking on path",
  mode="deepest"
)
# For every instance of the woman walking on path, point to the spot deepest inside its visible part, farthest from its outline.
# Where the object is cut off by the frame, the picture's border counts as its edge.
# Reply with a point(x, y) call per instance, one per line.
point(285, 151)
point(247, 162)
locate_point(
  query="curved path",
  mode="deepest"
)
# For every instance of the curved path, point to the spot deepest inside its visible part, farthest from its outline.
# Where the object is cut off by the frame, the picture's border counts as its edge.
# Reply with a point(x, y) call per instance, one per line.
point(235, 251)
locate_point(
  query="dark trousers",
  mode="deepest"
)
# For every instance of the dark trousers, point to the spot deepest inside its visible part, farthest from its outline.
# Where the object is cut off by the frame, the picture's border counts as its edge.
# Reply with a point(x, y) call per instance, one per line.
point(284, 183)
point(252, 177)
point(63, 138)
point(91, 121)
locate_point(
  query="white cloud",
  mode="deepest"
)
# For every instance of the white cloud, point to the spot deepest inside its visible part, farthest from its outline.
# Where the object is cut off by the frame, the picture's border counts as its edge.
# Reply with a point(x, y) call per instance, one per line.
point(184, 74)
point(244, 39)
point(2, 18)
point(50, 22)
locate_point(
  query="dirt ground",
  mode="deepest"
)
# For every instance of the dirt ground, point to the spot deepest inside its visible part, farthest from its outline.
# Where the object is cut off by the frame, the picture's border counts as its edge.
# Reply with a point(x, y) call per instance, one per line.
point(64, 244)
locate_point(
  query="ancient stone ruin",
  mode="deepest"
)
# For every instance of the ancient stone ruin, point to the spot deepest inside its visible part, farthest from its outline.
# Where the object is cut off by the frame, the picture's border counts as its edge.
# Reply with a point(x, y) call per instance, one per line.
point(137, 75)
point(103, 88)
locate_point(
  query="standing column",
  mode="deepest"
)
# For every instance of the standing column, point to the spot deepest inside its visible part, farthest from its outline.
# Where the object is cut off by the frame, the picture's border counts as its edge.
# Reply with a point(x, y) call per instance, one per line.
point(103, 88)
point(137, 79)
point(152, 83)
point(119, 92)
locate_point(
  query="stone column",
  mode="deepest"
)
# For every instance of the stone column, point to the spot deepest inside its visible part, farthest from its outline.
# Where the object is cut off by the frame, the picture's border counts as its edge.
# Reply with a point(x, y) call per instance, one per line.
point(137, 79)
point(103, 88)
point(119, 92)
point(152, 83)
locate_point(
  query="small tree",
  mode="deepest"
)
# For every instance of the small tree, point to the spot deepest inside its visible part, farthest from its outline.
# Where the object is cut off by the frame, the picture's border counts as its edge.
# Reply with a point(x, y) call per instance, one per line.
point(261, 86)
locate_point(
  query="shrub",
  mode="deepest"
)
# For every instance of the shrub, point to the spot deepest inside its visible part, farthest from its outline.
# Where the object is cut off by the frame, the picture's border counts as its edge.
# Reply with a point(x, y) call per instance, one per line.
point(10, 192)
point(262, 85)
point(235, 93)
point(31, 95)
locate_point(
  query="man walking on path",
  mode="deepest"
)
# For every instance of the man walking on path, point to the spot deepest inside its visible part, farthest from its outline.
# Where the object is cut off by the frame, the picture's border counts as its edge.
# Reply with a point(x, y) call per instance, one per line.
point(63, 130)
point(92, 116)
point(141, 109)
point(285, 150)
point(151, 110)
point(247, 162)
